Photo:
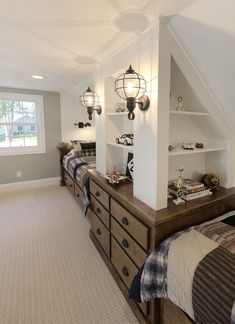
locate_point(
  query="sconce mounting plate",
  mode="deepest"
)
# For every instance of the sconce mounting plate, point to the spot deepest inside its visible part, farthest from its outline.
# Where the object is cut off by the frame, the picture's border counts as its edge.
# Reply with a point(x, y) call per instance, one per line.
point(98, 109)
point(144, 102)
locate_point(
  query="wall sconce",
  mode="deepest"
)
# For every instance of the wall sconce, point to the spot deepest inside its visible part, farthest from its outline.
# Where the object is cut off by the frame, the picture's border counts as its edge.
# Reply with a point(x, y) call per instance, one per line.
point(131, 86)
point(82, 125)
point(90, 100)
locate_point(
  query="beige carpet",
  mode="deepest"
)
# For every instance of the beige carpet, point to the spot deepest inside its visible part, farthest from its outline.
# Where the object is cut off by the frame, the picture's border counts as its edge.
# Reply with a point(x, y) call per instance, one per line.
point(50, 271)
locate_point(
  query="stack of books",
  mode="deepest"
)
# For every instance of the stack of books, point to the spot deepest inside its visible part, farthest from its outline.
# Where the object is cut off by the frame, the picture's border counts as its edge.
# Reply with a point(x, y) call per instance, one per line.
point(192, 189)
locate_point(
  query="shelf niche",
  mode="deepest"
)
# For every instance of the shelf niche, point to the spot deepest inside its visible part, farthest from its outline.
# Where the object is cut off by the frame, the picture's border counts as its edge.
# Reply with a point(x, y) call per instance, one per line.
point(117, 124)
point(190, 125)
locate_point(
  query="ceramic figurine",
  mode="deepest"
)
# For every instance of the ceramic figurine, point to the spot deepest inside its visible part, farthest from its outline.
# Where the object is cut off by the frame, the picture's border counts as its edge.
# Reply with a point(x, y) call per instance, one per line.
point(179, 107)
point(113, 177)
point(179, 184)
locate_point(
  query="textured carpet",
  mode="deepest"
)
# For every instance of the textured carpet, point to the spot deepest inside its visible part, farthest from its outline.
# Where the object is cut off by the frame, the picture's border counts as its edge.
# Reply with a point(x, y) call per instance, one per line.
point(50, 271)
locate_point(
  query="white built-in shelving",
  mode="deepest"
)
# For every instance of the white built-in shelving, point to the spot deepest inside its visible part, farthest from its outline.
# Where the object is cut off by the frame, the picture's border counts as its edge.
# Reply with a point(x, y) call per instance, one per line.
point(116, 114)
point(117, 124)
point(129, 148)
point(193, 124)
point(196, 151)
point(189, 113)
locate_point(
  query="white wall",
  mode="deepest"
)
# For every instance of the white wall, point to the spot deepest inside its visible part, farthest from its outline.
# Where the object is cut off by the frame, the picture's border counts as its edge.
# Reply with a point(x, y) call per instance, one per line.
point(142, 54)
point(206, 31)
point(72, 112)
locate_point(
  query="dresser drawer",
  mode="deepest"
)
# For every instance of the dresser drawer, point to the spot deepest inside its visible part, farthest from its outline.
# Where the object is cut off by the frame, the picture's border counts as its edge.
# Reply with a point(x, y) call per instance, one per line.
point(100, 211)
point(133, 226)
point(78, 194)
point(69, 183)
point(101, 233)
point(135, 252)
point(124, 266)
point(100, 194)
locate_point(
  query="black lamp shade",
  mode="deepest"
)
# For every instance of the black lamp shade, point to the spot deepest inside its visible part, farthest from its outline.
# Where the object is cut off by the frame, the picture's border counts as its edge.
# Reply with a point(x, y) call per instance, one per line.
point(130, 85)
point(89, 98)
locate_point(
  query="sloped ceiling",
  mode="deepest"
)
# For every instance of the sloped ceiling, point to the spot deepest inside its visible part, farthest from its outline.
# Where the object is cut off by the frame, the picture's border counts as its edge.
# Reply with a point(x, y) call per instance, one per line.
point(207, 31)
point(64, 41)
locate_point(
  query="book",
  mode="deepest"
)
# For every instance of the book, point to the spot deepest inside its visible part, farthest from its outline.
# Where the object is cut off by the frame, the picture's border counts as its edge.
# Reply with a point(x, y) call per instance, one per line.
point(172, 189)
point(190, 184)
point(204, 193)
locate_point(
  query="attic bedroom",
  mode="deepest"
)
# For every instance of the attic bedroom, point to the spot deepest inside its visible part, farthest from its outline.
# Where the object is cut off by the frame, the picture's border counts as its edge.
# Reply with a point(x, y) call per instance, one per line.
point(117, 159)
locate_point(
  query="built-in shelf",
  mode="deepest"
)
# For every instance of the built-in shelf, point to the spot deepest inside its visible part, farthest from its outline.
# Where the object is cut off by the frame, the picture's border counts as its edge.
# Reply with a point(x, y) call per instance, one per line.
point(196, 150)
point(128, 148)
point(117, 113)
point(189, 113)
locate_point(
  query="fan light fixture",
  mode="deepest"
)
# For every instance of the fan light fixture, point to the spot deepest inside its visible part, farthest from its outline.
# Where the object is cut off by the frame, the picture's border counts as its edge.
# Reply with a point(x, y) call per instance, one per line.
point(131, 86)
point(90, 100)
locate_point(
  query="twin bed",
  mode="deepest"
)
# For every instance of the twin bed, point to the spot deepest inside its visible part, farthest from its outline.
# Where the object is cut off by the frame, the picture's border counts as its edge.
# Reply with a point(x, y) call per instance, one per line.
point(194, 268)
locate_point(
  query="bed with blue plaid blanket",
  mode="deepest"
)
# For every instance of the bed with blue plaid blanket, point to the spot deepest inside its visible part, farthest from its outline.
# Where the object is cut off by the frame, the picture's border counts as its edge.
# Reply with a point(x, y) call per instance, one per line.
point(195, 269)
point(77, 168)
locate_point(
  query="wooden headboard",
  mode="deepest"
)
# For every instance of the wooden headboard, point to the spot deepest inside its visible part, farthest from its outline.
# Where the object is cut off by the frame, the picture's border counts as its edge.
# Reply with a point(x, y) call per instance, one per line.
point(194, 213)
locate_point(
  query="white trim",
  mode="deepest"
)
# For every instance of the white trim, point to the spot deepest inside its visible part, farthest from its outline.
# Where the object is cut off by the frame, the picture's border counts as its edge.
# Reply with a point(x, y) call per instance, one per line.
point(40, 124)
point(29, 184)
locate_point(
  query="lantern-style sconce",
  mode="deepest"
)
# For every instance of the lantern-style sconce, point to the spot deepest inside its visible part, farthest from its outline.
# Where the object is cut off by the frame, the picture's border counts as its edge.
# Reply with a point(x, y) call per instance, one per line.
point(131, 86)
point(90, 100)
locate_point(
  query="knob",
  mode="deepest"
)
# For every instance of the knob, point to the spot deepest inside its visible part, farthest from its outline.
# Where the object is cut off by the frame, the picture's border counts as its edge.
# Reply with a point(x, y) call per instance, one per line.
point(98, 210)
point(125, 271)
point(98, 231)
point(70, 186)
point(78, 195)
point(125, 221)
point(125, 243)
point(97, 194)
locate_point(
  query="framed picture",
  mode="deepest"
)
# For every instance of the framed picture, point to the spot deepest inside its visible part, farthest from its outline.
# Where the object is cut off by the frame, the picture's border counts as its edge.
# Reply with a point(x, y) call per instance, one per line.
point(130, 166)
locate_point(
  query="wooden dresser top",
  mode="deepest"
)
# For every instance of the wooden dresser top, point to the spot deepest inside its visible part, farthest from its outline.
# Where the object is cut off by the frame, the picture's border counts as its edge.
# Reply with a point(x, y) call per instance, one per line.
point(123, 192)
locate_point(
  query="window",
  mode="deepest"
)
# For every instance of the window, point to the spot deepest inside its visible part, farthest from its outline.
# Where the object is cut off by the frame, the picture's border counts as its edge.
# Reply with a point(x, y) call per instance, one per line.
point(22, 129)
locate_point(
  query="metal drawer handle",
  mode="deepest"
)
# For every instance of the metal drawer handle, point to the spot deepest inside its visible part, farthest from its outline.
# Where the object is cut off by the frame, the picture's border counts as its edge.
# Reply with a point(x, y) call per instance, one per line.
point(98, 210)
point(125, 243)
point(125, 271)
point(125, 221)
point(97, 194)
point(98, 231)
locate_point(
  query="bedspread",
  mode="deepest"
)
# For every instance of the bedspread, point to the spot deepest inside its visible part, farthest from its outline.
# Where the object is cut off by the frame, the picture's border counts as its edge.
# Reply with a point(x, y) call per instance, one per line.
point(77, 168)
point(195, 269)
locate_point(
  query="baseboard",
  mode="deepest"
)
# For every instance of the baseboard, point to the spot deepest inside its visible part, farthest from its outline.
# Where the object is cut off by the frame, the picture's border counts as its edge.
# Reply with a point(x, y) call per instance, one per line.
point(29, 184)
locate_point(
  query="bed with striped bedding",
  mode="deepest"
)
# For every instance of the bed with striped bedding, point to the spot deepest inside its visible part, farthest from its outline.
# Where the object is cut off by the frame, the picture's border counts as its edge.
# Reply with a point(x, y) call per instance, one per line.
point(77, 168)
point(195, 269)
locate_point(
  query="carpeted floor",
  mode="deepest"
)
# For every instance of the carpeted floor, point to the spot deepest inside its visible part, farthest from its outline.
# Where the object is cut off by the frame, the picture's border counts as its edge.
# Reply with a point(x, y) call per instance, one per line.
point(50, 271)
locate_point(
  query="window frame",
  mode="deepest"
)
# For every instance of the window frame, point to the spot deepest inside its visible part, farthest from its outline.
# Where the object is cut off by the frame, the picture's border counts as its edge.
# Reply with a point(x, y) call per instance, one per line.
point(40, 124)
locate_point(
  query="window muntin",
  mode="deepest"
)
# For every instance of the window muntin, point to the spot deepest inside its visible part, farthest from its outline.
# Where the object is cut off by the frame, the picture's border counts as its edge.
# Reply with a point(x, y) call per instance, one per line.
point(21, 124)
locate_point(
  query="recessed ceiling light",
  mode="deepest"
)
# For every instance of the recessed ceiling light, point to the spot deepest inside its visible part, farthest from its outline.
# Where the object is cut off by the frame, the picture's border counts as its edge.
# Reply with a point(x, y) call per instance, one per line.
point(39, 77)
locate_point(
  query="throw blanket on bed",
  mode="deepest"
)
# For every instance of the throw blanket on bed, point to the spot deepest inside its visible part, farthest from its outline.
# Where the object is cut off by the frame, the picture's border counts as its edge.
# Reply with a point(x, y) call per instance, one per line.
point(195, 269)
point(77, 168)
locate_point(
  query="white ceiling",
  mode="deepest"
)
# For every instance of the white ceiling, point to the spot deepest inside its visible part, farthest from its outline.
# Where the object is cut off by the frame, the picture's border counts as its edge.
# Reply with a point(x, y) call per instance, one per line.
point(65, 40)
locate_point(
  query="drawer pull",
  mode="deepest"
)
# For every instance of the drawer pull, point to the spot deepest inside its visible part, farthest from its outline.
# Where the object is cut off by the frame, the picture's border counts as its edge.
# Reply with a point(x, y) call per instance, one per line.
point(97, 194)
point(70, 185)
point(98, 210)
point(65, 178)
point(125, 221)
point(78, 195)
point(125, 243)
point(98, 231)
point(125, 271)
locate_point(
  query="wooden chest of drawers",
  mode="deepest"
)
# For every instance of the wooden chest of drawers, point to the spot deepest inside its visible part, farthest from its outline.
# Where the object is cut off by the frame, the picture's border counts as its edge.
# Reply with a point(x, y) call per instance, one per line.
point(122, 239)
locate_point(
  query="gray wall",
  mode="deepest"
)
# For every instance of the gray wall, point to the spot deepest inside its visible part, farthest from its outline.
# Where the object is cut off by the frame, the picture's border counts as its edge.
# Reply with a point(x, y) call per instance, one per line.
point(36, 166)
